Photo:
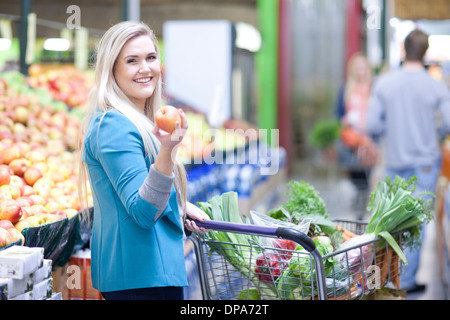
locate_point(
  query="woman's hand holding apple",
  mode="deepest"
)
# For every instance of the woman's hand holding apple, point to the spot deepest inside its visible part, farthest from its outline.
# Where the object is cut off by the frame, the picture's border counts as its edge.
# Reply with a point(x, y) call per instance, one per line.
point(173, 120)
point(171, 126)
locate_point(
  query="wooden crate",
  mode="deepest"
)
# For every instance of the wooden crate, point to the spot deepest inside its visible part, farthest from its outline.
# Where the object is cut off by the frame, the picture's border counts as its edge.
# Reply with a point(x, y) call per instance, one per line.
point(85, 291)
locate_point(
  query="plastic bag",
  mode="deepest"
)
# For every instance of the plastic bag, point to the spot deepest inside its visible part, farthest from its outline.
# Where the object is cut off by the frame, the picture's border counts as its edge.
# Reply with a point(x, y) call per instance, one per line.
point(361, 256)
point(260, 219)
point(276, 252)
point(282, 247)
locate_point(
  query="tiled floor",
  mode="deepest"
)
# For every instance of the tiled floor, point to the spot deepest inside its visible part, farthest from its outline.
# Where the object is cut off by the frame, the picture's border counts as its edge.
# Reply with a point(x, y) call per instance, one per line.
point(339, 195)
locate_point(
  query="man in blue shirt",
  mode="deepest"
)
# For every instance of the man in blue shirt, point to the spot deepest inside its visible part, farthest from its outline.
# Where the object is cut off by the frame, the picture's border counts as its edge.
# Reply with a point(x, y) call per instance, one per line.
point(411, 110)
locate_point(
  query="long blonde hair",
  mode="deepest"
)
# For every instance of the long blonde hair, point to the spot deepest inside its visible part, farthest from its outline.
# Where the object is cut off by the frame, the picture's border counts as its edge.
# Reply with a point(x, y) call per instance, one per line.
point(352, 73)
point(106, 95)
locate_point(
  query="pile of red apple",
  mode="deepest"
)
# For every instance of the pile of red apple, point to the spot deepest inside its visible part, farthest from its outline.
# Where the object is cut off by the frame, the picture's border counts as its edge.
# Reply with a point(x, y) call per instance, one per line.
point(38, 170)
point(65, 83)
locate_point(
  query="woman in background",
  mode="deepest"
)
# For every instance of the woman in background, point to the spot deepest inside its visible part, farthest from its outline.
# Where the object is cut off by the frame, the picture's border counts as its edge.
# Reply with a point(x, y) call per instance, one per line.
point(352, 107)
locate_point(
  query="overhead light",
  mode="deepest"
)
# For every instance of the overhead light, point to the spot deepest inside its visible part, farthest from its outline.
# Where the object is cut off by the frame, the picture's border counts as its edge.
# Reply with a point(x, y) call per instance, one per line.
point(5, 44)
point(247, 37)
point(56, 44)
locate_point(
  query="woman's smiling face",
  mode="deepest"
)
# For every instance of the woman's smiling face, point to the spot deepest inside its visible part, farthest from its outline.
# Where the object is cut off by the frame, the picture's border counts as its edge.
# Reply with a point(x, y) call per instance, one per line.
point(137, 69)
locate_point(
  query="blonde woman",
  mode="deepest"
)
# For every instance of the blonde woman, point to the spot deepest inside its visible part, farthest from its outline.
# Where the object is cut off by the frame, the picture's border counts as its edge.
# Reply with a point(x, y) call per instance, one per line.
point(352, 107)
point(138, 188)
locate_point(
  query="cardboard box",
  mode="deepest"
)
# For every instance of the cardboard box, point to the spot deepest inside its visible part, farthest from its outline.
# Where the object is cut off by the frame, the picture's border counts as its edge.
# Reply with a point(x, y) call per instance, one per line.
point(18, 261)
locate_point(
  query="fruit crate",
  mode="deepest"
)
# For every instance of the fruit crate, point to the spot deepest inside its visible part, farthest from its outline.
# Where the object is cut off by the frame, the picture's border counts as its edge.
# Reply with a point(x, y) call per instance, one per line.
point(82, 288)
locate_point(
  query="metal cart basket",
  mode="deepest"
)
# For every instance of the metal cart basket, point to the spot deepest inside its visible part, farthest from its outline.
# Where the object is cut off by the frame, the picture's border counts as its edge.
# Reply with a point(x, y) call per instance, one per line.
point(350, 273)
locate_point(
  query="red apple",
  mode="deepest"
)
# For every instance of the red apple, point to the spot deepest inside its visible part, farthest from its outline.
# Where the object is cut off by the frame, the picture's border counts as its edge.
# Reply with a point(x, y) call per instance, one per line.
point(70, 212)
point(9, 210)
point(36, 155)
point(10, 153)
point(16, 235)
point(14, 191)
point(60, 213)
point(19, 166)
point(166, 117)
point(31, 175)
point(5, 175)
point(5, 194)
point(6, 224)
point(17, 181)
point(33, 210)
point(5, 238)
point(27, 191)
point(21, 114)
point(24, 201)
point(24, 147)
point(23, 224)
point(37, 199)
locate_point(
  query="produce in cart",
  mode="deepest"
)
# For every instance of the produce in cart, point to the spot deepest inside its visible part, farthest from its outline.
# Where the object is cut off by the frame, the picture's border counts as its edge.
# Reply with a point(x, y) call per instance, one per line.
point(305, 204)
point(298, 280)
point(394, 208)
point(273, 268)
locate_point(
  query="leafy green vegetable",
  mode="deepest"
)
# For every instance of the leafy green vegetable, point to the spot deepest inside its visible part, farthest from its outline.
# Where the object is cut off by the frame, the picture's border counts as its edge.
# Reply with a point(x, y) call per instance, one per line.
point(236, 248)
point(394, 208)
point(304, 202)
point(324, 133)
point(301, 271)
point(249, 294)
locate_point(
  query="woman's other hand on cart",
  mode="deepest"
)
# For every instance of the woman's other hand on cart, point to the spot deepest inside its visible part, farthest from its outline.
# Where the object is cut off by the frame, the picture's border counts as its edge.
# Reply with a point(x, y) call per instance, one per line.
point(195, 213)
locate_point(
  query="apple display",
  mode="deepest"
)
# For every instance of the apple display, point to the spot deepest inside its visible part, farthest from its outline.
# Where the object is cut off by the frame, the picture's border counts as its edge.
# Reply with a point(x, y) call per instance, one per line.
point(166, 117)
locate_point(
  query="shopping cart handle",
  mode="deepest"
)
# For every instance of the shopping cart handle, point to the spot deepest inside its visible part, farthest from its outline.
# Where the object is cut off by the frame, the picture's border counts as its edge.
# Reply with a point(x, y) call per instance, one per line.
point(280, 232)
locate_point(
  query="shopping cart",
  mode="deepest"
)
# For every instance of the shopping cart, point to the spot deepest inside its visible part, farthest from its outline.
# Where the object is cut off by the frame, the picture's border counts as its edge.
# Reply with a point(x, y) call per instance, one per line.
point(350, 273)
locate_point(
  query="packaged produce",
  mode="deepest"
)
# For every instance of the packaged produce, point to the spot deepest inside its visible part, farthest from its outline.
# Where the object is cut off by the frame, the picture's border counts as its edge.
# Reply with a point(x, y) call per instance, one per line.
point(24, 296)
point(17, 262)
point(43, 290)
point(268, 267)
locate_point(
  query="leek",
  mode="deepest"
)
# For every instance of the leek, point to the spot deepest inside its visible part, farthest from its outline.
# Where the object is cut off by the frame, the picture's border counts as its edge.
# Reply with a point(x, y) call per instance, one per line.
point(394, 208)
